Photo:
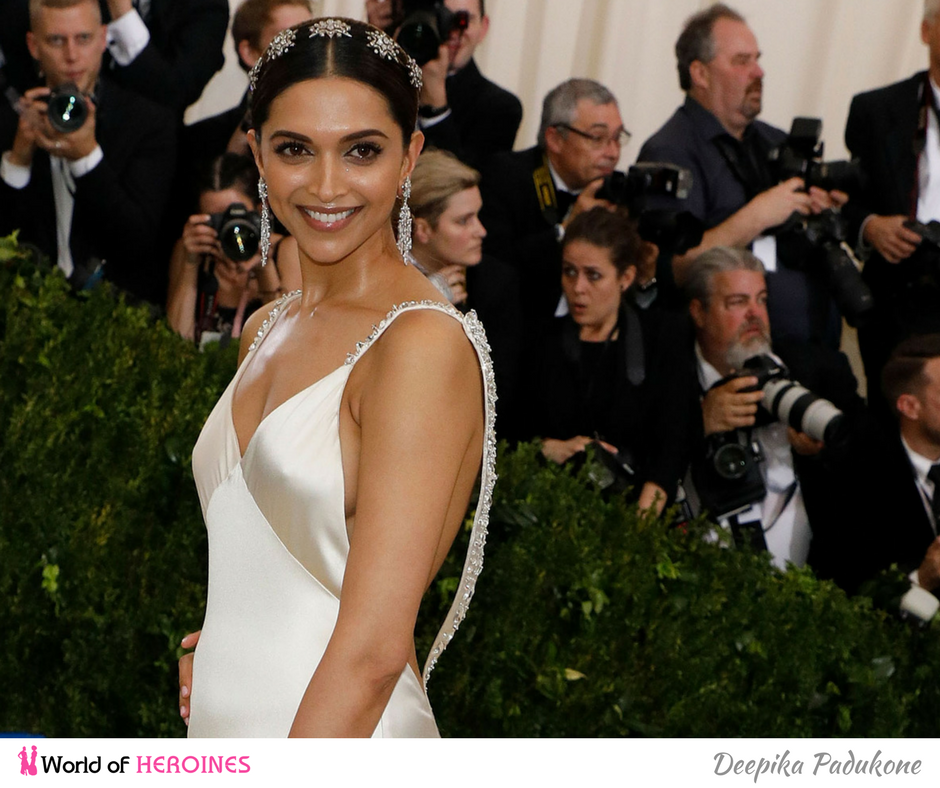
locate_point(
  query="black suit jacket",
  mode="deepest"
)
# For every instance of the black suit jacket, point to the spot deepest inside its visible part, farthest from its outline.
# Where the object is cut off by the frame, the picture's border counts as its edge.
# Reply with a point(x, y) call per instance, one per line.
point(879, 518)
point(484, 118)
point(185, 50)
point(118, 205)
point(519, 233)
point(880, 132)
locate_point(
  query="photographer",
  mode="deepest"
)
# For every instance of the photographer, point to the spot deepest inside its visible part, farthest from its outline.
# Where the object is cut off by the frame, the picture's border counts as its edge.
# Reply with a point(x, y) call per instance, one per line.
point(530, 196)
point(592, 374)
point(894, 133)
point(91, 195)
point(210, 294)
point(713, 394)
point(891, 513)
point(716, 135)
point(461, 110)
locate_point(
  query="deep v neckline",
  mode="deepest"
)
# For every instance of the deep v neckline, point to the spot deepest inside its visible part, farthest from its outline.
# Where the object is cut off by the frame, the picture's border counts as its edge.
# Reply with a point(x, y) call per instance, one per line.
point(274, 315)
point(269, 414)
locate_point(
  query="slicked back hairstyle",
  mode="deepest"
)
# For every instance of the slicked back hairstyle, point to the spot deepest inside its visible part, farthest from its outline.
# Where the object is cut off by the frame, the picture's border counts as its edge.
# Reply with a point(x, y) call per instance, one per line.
point(695, 42)
point(230, 171)
point(438, 176)
point(253, 16)
point(718, 259)
point(904, 372)
point(561, 103)
point(35, 6)
point(614, 231)
point(314, 57)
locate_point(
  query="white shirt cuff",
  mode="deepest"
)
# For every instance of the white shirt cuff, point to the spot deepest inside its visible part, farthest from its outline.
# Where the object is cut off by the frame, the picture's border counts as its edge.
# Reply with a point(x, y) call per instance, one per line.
point(863, 247)
point(128, 36)
point(915, 577)
point(15, 176)
point(426, 123)
point(86, 164)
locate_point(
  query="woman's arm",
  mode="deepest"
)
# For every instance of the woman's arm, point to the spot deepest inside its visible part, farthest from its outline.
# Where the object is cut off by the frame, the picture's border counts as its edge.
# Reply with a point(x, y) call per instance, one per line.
point(418, 401)
point(182, 291)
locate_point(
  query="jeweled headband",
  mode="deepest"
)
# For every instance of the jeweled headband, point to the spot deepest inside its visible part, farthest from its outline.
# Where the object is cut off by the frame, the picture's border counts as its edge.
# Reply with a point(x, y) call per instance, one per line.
point(383, 45)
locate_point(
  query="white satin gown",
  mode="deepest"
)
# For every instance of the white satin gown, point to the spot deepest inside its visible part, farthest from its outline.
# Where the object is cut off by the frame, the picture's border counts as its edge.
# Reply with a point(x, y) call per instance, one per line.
point(278, 547)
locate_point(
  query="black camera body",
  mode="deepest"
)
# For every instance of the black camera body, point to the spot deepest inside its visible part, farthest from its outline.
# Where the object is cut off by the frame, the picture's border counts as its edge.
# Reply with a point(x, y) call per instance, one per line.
point(672, 231)
point(239, 231)
point(68, 108)
point(427, 24)
point(729, 479)
point(801, 156)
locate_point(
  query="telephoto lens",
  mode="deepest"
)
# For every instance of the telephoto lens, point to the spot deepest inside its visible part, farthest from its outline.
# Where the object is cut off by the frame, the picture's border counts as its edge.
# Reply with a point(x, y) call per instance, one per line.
point(68, 108)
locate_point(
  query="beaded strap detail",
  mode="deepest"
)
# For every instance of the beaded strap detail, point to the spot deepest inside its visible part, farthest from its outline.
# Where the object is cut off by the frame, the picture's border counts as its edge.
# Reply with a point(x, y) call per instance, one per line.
point(473, 564)
point(272, 316)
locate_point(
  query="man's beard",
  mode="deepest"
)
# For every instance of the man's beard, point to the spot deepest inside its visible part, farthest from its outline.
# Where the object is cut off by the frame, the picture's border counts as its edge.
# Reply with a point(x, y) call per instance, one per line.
point(740, 350)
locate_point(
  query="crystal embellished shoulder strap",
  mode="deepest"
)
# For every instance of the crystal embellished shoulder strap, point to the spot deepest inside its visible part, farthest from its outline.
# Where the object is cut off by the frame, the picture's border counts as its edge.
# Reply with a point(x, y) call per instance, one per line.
point(473, 564)
point(271, 319)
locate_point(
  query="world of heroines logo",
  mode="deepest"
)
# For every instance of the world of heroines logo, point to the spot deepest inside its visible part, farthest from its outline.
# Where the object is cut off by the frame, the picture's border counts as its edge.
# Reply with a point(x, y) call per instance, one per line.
point(145, 764)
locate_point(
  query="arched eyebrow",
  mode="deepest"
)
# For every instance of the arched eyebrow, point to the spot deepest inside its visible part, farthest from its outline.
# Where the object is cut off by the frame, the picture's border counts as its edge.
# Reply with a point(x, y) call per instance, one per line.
point(352, 137)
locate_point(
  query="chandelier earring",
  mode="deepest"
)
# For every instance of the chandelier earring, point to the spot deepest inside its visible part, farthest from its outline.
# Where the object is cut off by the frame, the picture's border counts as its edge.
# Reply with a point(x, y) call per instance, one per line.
point(404, 220)
point(265, 221)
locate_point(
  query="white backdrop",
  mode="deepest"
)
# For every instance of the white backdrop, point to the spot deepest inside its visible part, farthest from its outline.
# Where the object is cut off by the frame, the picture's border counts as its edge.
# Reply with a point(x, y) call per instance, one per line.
point(816, 53)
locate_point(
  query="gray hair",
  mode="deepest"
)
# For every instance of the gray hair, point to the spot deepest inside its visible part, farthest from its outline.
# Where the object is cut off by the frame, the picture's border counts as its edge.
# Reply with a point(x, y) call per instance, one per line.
point(695, 42)
point(717, 260)
point(561, 103)
point(931, 7)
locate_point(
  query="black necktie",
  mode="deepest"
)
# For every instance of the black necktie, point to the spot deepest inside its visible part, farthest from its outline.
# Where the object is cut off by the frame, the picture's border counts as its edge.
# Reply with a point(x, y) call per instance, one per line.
point(934, 475)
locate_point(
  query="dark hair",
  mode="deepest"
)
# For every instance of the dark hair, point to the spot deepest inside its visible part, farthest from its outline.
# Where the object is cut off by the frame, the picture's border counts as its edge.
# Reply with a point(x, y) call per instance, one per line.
point(904, 372)
point(252, 16)
point(229, 171)
point(351, 56)
point(695, 41)
point(614, 231)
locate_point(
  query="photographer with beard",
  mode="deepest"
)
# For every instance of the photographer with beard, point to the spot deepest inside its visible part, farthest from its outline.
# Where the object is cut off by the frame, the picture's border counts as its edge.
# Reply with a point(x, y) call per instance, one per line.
point(717, 136)
point(727, 294)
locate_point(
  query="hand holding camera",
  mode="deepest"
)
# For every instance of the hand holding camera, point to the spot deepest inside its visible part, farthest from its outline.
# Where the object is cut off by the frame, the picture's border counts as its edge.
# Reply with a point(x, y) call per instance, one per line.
point(731, 406)
point(60, 121)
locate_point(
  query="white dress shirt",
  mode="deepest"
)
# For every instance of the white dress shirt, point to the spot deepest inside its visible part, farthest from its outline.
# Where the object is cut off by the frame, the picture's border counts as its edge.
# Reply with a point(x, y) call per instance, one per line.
point(781, 513)
point(128, 36)
point(64, 174)
point(928, 167)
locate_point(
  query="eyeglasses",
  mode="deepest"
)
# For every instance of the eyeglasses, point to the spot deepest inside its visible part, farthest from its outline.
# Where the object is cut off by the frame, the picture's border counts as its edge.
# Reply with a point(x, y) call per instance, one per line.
point(622, 137)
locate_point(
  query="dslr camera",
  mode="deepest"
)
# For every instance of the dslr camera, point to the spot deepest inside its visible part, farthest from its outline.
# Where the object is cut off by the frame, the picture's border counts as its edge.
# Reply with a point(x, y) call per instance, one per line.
point(729, 480)
point(673, 232)
point(239, 231)
point(801, 155)
point(427, 24)
point(68, 108)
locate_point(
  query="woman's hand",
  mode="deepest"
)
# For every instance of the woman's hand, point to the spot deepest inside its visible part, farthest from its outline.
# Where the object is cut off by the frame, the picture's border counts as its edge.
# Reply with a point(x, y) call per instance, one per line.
point(456, 278)
point(200, 239)
point(186, 673)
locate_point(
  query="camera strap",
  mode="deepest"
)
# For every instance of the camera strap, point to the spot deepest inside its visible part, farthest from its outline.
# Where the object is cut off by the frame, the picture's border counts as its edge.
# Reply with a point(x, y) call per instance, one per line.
point(545, 192)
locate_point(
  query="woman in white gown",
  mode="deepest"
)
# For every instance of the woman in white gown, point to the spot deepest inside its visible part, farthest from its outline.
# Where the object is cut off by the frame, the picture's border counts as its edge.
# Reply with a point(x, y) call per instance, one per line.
point(337, 467)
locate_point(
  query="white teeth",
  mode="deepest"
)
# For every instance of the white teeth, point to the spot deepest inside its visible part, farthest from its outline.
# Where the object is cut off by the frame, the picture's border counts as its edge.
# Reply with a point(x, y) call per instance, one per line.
point(329, 218)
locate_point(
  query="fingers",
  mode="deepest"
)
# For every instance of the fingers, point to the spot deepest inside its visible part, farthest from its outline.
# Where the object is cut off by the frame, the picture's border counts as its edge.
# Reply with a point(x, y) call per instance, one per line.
point(186, 674)
point(186, 683)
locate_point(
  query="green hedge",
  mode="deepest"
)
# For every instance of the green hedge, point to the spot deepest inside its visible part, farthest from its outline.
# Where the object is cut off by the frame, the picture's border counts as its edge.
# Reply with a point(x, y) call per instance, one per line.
point(588, 620)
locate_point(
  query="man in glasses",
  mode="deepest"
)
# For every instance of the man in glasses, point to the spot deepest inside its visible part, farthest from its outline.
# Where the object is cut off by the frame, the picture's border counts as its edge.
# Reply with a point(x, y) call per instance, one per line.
point(530, 196)
point(716, 135)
